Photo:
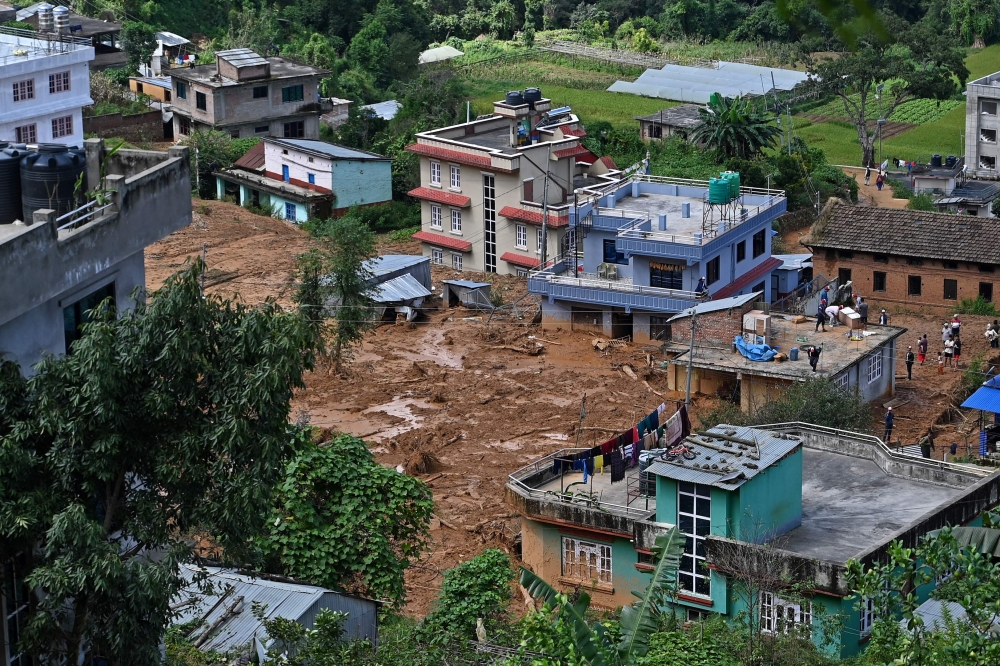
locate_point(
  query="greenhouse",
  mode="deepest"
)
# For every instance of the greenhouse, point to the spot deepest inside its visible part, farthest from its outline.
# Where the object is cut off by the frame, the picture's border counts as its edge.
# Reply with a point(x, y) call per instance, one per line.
point(696, 84)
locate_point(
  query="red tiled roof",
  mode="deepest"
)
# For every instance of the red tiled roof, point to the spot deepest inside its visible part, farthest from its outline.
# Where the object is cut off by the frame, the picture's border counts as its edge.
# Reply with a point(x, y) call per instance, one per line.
point(570, 152)
point(520, 260)
point(748, 278)
point(253, 159)
point(608, 162)
point(448, 198)
point(587, 159)
point(456, 156)
point(569, 131)
point(532, 217)
point(443, 241)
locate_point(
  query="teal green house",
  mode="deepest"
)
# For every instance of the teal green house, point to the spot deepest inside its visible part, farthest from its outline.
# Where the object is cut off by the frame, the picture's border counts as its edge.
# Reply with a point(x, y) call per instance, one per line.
point(760, 508)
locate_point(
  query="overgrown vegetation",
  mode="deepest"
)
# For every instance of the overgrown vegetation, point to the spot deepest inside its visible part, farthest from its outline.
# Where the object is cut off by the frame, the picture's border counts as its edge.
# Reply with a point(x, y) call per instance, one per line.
point(976, 306)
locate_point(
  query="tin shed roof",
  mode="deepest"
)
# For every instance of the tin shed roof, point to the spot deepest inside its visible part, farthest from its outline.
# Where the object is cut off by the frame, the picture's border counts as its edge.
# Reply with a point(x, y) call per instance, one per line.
point(399, 289)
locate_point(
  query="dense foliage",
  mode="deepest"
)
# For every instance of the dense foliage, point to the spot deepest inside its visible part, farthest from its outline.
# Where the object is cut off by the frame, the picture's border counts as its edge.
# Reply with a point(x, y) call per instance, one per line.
point(736, 128)
point(475, 590)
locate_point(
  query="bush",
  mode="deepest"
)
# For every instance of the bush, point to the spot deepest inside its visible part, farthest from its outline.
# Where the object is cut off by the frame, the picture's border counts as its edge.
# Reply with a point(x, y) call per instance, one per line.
point(976, 306)
point(900, 190)
point(479, 588)
point(921, 201)
point(403, 234)
point(380, 218)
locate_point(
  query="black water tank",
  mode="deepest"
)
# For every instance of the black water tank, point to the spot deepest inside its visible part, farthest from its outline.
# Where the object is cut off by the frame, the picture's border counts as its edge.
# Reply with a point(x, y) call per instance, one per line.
point(514, 98)
point(48, 178)
point(951, 161)
point(935, 160)
point(10, 182)
point(532, 95)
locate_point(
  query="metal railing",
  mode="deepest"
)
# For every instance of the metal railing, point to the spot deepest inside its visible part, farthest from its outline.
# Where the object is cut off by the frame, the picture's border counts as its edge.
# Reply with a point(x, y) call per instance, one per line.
point(80, 216)
point(624, 213)
point(30, 44)
point(618, 285)
point(514, 479)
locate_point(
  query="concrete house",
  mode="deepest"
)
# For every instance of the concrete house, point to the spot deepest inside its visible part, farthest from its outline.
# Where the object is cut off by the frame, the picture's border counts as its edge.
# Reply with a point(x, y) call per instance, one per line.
point(774, 492)
point(982, 125)
point(67, 266)
point(244, 95)
point(674, 121)
point(907, 256)
point(946, 180)
point(647, 241)
point(301, 179)
point(101, 33)
point(483, 186)
point(44, 85)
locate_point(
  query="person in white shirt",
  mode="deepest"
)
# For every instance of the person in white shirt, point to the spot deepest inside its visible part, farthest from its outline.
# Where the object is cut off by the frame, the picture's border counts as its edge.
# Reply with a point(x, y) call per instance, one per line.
point(832, 313)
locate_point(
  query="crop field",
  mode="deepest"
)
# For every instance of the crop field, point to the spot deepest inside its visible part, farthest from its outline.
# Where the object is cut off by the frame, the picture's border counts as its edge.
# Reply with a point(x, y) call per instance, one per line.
point(914, 112)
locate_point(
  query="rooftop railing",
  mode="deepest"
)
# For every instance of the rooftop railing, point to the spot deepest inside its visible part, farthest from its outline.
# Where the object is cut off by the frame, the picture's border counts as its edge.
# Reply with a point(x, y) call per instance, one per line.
point(17, 44)
point(618, 285)
point(82, 215)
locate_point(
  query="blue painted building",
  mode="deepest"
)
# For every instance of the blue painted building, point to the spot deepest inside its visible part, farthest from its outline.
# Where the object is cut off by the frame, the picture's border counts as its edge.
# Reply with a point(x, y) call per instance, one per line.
point(642, 245)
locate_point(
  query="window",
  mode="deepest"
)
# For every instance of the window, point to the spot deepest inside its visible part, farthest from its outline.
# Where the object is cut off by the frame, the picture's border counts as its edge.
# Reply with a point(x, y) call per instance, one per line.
point(294, 130)
point(874, 367)
point(311, 178)
point(538, 241)
point(778, 616)
point(694, 519)
point(878, 281)
point(290, 212)
point(986, 291)
point(987, 162)
point(235, 134)
point(845, 254)
point(988, 108)
point(867, 616)
point(15, 611)
point(666, 276)
point(988, 135)
point(528, 190)
point(951, 290)
point(166, 95)
point(285, 173)
point(435, 173)
point(456, 262)
point(831, 255)
point(456, 177)
point(659, 329)
point(24, 90)
point(26, 134)
point(521, 272)
point(59, 82)
point(184, 125)
point(759, 243)
point(292, 94)
point(695, 615)
point(586, 560)
point(435, 217)
point(260, 92)
point(489, 223)
point(201, 101)
point(843, 382)
point(612, 255)
point(913, 285)
point(741, 251)
point(138, 86)
point(456, 221)
point(844, 275)
point(78, 314)
point(713, 271)
point(182, 90)
point(910, 261)
point(953, 265)
point(759, 288)
point(986, 268)
point(262, 129)
point(880, 258)
point(62, 127)
point(521, 239)
point(437, 255)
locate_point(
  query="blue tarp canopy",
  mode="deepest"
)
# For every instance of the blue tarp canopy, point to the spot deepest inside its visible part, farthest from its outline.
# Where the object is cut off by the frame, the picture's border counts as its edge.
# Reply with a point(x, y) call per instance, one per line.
point(987, 397)
point(754, 352)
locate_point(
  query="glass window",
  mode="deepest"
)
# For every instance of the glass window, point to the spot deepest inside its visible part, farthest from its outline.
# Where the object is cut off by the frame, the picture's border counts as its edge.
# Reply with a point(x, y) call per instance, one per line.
point(456, 176)
point(456, 221)
point(62, 127)
point(778, 616)
point(182, 90)
point(290, 212)
point(666, 276)
point(24, 90)
point(694, 514)
point(59, 82)
point(15, 594)
point(312, 178)
point(261, 129)
point(456, 262)
point(294, 130)
point(538, 241)
point(842, 382)
point(437, 255)
point(759, 243)
point(78, 314)
point(521, 239)
point(741, 251)
point(586, 560)
point(292, 94)
point(436, 217)
point(878, 281)
point(867, 616)
point(26, 134)
point(435, 173)
point(201, 101)
point(713, 271)
point(874, 367)
point(951, 290)
point(260, 92)
point(913, 285)
point(988, 108)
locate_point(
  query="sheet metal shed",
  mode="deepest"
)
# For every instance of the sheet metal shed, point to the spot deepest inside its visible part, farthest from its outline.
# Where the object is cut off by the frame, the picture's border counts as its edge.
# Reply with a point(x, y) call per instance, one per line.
point(465, 292)
point(227, 607)
point(389, 266)
point(986, 398)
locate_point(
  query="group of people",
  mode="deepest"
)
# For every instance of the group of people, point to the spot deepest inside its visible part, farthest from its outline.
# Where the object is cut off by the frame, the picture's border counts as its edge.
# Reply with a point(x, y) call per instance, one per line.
point(879, 179)
point(993, 334)
point(827, 313)
point(950, 355)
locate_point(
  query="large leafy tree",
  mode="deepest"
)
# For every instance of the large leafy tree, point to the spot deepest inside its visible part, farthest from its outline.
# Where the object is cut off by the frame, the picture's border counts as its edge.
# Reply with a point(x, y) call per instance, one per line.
point(346, 522)
point(166, 422)
point(138, 41)
point(976, 22)
point(735, 128)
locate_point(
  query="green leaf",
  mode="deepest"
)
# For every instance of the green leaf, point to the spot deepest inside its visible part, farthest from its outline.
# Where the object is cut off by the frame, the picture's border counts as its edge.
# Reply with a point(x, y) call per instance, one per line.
point(638, 621)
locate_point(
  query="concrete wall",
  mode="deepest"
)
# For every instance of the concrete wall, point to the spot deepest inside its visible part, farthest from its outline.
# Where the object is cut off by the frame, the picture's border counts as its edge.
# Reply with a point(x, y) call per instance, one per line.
point(770, 503)
point(137, 128)
point(975, 121)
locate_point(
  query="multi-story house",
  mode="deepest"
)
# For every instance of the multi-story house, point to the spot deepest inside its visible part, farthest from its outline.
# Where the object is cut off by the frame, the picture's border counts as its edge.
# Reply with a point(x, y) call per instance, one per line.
point(65, 266)
point(300, 179)
point(647, 243)
point(245, 95)
point(44, 85)
point(487, 187)
point(982, 125)
point(761, 509)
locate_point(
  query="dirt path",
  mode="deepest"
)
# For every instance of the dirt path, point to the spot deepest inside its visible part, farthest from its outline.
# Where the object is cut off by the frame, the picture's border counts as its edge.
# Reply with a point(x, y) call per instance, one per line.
point(870, 194)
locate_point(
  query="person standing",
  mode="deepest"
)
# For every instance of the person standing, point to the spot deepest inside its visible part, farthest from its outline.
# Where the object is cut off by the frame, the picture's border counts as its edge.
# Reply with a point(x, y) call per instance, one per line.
point(949, 351)
point(868, 175)
point(956, 326)
point(922, 349)
point(878, 182)
point(826, 294)
point(909, 363)
point(814, 356)
point(945, 333)
point(883, 319)
point(889, 420)
point(863, 311)
point(821, 316)
point(940, 363)
point(958, 352)
point(996, 339)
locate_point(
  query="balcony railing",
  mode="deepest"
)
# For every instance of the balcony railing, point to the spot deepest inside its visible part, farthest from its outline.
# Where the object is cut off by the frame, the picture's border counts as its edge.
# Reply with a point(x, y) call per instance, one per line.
point(617, 285)
point(82, 215)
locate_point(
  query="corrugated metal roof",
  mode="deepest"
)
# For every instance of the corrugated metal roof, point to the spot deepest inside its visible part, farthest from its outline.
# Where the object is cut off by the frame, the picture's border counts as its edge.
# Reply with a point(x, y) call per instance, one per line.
point(331, 149)
point(385, 110)
point(696, 84)
point(468, 284)
point(399, 289)
point(171, 39)
point(715, 306)
point(388, 263)
point(932, 612)
point(986, 397)
point(241, 57)
point(791, 262)
point(728, 463)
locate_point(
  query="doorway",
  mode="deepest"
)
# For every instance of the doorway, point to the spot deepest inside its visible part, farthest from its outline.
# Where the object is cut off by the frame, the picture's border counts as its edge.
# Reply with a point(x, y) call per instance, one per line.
point(621, 325)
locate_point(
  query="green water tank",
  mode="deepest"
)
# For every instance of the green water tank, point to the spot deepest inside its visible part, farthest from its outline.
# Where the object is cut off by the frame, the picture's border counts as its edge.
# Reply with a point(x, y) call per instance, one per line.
point(718, 191)
point(733, 177)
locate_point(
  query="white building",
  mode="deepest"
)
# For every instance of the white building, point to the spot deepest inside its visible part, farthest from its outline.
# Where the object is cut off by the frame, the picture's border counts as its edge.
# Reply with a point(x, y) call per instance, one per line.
point(44, 85)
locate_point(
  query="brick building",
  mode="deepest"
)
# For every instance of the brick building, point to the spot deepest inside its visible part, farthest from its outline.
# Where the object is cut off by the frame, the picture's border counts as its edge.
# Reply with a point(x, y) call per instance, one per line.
point(906, 256)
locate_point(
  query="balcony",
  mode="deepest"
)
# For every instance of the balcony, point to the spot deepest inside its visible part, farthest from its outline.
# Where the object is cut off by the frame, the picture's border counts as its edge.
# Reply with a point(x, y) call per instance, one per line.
point(617, 293)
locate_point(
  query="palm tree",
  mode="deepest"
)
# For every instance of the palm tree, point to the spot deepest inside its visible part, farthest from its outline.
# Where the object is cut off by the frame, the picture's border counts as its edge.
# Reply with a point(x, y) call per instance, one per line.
point(735, 128)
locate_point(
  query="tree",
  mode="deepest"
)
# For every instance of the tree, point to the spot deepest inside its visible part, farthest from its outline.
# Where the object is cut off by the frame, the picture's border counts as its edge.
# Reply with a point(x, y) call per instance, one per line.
point(296, 645)
point(343, 521)
point(873, 81)
point(163, 422)
point(977, 22)
point(253, 28)
point(502, 19)
point(475, 590)
point(735, 128)
point(138, 41)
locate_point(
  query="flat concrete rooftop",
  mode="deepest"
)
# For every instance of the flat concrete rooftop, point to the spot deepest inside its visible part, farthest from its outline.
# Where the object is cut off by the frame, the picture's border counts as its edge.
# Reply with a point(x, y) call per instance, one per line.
point(494, 139)
point(850, 505)
point(839, 351)
point(607, 493)
point(658, 204)
point(280, 69)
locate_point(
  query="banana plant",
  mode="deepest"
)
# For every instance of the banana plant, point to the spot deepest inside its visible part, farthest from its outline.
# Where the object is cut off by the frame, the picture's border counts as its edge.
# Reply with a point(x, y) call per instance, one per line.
point(589, 640)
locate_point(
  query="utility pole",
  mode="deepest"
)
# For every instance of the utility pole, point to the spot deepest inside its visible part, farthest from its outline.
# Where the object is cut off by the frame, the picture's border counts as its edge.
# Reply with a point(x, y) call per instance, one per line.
point(687, 397)
point(545, 207)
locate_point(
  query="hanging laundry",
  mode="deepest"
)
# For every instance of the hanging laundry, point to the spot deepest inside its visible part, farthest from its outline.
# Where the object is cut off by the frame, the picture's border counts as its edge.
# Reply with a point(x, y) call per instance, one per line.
point(617, 466)
point(608, 446)
point(636, 450)
point(635, 436)
point(599, 464)
point(685, 421)
point(586, 464)
point(653, 420)
point(621, 440)
point(649, 441)
point(673, 430)
point(596, 451)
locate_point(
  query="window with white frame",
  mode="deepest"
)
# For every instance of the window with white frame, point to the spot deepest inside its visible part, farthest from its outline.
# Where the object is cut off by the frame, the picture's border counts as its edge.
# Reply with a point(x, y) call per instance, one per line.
point(26, 134)
point(521, 272)
point(14, 594)
point(435, 173)
point(694, 520)
point(58, 82)
point(586, 560)
point(456, 177)
point(842, 382)
point(778, 616)
point(456, 261)
point(867, 616)
point(874, 367)
point(456, 221)
point(24, 90)
point(437, 255)
point(538, 241)
point(436, 217)
point(62, 127)
point(521, 239)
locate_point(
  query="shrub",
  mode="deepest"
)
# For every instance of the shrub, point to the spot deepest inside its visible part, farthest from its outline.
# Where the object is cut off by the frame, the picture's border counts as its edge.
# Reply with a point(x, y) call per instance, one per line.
point(479, 588)
point(976, 306)
point(900, 190)
point(401, 235)
point(922, 201)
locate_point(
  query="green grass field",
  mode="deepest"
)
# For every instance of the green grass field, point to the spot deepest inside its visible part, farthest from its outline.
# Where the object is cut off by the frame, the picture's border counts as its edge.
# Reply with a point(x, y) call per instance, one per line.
point(589, 105)
point(983, 62)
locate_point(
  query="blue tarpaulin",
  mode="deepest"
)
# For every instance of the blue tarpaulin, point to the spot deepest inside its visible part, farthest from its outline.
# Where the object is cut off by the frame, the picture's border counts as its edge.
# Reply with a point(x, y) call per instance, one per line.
point(987, 397)
point(754, 352)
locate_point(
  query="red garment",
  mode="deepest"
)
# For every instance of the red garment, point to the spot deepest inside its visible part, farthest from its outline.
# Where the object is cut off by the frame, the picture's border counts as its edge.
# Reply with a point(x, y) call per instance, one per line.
point(635, 435)
point(608, 446)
